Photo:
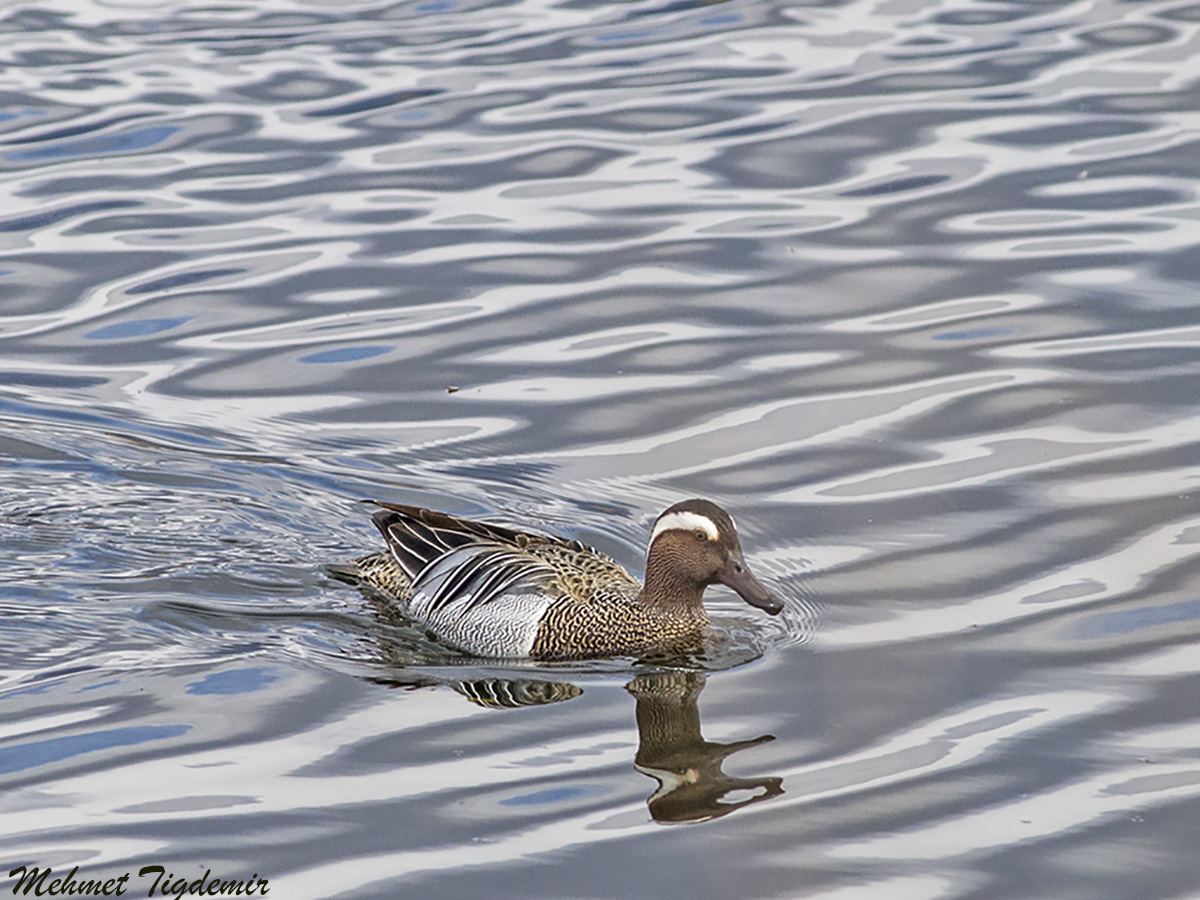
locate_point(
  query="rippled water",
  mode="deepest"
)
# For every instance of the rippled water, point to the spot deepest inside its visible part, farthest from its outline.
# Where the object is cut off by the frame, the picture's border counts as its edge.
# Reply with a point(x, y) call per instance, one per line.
point(909, 287)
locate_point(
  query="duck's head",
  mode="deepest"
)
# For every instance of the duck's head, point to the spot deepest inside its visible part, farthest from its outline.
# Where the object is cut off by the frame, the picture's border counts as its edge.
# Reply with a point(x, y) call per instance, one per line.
point(695, 544)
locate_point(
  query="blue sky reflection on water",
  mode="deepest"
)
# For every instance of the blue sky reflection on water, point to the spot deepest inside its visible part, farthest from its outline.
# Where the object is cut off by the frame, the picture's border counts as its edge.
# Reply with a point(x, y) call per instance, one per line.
point(17, 758)
point(125, 142)
point(235, 681)
point(135, 328)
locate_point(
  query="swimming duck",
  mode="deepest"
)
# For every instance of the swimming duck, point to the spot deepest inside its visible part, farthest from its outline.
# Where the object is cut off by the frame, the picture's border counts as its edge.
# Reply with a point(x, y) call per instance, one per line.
point(496, 592)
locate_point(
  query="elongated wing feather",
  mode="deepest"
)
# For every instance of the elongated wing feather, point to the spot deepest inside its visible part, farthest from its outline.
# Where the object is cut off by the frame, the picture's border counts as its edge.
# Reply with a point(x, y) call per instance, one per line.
point(443, 523)
point(472, 576)
point(418, 537)
point(485, 597)
point(414, 544)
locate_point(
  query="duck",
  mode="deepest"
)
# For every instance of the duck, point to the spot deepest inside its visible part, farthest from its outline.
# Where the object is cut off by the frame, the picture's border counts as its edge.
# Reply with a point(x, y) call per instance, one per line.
point(496, 592)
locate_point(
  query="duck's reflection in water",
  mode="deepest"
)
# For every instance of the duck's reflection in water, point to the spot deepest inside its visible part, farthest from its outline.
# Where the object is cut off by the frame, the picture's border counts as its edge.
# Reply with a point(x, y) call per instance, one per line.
point(505, 693)
point(692, 787)
point(671, 749)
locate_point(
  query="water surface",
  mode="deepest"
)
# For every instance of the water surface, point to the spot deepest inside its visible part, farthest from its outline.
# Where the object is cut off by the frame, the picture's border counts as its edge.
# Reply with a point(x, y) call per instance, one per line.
point(908, 287)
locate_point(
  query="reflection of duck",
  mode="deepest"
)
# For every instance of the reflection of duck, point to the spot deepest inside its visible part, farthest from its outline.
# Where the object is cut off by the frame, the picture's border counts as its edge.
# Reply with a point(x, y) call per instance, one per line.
point(506, 693)
point(492, 591)
point(671, 749)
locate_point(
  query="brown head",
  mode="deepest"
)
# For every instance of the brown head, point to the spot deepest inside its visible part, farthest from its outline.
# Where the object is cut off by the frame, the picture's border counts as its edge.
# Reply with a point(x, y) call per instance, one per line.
point(695, 544)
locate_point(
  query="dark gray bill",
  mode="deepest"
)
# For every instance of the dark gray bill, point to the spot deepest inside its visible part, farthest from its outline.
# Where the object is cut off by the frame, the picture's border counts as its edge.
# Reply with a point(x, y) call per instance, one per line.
point(737, 575)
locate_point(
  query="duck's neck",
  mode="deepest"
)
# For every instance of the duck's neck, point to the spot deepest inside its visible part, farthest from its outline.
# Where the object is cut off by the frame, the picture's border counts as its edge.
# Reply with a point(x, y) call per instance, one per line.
point(670, 592)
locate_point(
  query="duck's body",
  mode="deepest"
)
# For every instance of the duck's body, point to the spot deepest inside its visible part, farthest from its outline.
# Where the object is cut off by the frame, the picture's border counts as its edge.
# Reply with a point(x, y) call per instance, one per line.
point(497, 592)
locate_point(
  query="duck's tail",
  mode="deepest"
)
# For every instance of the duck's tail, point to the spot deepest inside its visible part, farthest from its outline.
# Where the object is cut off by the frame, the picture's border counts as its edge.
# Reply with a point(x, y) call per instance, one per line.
point(348, 572)
point(379, 570)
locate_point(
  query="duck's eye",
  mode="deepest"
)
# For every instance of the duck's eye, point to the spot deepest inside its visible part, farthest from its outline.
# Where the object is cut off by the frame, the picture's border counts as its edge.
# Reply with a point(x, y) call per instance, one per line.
point(701, 534)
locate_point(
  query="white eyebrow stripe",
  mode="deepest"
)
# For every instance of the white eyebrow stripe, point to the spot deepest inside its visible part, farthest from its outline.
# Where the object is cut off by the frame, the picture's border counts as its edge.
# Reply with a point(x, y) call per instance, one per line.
point(688, 521)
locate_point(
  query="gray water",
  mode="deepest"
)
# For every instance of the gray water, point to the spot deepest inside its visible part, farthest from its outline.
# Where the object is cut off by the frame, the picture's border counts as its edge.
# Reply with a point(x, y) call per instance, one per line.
point(909, 287)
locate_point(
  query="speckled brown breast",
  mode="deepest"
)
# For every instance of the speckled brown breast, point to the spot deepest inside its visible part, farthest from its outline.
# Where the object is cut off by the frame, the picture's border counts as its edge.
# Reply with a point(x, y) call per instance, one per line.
point(599, 613)
point(574, 629)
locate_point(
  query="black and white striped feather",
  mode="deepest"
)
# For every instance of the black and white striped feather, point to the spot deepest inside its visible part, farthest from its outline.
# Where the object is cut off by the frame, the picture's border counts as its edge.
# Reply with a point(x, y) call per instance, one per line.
point(474, 575)
point(455, 566)
point(418, 536)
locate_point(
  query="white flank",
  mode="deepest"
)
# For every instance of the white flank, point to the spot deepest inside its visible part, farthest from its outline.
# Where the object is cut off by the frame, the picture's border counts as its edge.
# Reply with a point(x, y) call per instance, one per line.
point(688, 521)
